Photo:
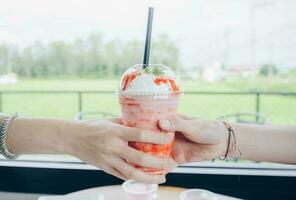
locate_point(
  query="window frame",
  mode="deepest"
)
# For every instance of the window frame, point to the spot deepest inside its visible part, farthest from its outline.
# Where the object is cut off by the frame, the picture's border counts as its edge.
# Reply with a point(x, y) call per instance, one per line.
point(60, 177)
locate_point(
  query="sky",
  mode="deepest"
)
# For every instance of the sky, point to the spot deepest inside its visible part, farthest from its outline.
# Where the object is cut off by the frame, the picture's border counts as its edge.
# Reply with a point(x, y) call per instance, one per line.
point(238, 33)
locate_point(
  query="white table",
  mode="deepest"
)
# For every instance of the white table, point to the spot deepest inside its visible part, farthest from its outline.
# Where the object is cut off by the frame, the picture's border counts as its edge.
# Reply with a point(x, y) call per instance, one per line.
point(115, 192)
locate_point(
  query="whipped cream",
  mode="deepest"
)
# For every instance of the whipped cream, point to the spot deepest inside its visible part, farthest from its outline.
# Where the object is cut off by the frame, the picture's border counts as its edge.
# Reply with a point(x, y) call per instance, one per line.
point(144, 83)
point(156, 80)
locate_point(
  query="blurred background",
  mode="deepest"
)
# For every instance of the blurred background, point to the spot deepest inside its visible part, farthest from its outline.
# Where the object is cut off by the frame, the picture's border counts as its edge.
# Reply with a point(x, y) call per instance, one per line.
point(64, 59)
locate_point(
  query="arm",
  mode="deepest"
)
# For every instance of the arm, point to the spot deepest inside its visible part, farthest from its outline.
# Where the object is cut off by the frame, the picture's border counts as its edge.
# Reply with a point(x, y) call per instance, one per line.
point(266, 143)
point(39, 136)
point(207, 139)
point(102, 143)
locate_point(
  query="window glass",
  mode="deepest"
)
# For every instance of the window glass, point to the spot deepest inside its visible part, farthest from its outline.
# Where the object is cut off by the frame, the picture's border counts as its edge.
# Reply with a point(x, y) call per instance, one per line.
point(63, 59)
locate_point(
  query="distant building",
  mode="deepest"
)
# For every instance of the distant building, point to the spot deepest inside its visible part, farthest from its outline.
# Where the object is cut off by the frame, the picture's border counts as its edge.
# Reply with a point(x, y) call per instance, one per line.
point(9, 78)
point(213, 73)
point(244, 72)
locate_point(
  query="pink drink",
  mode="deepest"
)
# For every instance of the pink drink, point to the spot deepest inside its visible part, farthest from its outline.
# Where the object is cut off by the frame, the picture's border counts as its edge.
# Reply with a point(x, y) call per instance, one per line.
point(145, 107)
point(144, 113)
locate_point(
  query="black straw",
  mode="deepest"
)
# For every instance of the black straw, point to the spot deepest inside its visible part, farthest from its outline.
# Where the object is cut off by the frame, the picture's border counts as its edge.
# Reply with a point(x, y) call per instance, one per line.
point(148, 37)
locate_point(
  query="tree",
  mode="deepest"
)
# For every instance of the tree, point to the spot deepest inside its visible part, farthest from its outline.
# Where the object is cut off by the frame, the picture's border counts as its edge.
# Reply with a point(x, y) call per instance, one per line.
point(268, 70)
point(166, 52)
point(3, 58)
point(85, 57)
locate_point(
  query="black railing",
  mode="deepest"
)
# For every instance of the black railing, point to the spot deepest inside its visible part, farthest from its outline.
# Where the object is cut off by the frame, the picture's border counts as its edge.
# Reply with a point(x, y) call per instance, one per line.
point(80, 94)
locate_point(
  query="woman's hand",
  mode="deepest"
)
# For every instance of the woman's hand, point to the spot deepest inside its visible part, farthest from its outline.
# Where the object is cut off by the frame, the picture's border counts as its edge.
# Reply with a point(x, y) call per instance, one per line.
point(199, 140)
point(196, 139)
point(102, 143)
point(105, 144)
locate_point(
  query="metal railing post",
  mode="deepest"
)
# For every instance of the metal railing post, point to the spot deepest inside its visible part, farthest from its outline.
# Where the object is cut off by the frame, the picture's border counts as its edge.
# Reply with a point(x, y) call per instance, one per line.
point(79, 101)
point(257, 105)
point(0, 101)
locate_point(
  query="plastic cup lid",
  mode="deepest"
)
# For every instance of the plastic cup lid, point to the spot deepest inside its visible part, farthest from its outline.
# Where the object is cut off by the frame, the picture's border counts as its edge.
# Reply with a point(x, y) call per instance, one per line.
point(200, 194)
point(154, 80)
point(134, 187)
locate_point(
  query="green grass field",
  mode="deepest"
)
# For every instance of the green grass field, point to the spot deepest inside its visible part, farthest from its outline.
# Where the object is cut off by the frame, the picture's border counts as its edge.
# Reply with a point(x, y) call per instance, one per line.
point(279, 109)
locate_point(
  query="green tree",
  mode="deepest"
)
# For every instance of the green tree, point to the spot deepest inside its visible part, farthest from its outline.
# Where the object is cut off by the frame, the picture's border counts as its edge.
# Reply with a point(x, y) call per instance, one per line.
point(3, 58)
point(93, 55)
point(85, 57)
point(166, 52)
point(268, 70)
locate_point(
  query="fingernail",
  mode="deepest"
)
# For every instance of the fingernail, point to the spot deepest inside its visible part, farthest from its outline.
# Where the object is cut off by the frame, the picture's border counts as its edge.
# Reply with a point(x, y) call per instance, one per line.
point(165, 123)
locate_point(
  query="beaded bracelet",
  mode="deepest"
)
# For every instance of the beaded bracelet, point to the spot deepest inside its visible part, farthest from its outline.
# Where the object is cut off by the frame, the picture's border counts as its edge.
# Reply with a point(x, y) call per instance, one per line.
point(4, 125)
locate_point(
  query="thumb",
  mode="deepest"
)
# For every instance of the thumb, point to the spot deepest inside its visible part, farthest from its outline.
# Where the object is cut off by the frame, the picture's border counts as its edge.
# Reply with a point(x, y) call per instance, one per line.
point(172, 124)
point(189, 128)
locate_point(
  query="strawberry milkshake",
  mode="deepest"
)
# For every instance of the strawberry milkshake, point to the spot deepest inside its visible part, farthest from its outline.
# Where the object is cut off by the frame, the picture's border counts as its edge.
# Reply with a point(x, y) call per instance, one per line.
point(146, 96)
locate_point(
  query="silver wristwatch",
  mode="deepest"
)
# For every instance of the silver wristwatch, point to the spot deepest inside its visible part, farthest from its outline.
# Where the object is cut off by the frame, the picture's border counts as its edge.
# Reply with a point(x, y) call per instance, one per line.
point(4, 125)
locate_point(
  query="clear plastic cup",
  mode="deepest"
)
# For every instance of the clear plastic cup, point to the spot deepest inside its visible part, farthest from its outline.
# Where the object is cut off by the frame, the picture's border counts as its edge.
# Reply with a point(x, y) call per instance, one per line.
point(198, 194)
point(135, 190)
point(146, 96)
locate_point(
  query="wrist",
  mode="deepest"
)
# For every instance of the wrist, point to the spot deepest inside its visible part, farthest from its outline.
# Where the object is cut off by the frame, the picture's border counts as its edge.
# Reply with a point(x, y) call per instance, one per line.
point(231, 142)
point(67, 135)
point(42, 136)
point(239, 140)
point(224, 135)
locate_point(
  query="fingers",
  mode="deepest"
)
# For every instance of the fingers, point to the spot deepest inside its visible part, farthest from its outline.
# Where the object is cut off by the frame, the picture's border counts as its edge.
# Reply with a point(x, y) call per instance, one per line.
point(116, 120)
point(135, 174)
point(146, 160)
point(189, 128)
point(113, 171)
point(118, 174)
point(146, 136)
point(174, 124)
point(186, 117)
